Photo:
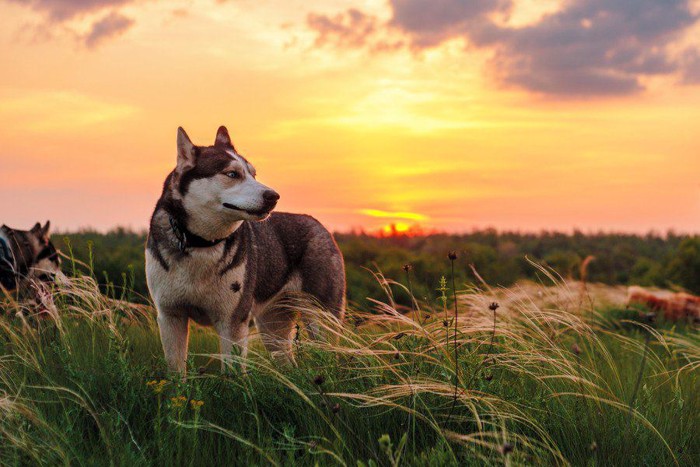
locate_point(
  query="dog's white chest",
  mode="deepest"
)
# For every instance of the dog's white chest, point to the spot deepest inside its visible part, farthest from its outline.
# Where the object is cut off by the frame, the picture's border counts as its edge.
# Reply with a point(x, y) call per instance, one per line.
point(195, 284)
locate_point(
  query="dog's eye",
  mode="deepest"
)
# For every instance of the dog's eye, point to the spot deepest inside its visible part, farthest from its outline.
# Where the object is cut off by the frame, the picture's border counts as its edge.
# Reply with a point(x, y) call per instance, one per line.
point(233, 174)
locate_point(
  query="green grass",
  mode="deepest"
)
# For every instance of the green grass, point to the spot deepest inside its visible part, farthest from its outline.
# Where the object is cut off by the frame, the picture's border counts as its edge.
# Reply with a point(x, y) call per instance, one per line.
point(549, 387)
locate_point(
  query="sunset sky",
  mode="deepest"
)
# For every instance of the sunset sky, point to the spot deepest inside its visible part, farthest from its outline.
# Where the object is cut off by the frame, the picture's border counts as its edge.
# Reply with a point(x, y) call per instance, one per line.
point(514, 114)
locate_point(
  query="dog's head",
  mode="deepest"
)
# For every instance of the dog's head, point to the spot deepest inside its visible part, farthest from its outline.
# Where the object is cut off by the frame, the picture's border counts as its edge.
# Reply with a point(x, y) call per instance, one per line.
point(46, 265)
point(217, 183)
point(33, 256)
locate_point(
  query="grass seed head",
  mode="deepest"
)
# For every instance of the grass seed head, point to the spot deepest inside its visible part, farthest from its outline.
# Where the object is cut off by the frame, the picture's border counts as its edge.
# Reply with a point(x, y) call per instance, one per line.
point(385, 442)
point(576, 349)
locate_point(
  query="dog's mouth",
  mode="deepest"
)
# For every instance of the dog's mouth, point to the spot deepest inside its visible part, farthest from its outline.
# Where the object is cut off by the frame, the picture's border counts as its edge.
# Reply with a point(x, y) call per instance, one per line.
point(258, 213)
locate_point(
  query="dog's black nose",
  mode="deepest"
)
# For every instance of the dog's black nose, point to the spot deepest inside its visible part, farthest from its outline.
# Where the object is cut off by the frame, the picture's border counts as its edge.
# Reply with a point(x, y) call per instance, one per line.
point(271, 196)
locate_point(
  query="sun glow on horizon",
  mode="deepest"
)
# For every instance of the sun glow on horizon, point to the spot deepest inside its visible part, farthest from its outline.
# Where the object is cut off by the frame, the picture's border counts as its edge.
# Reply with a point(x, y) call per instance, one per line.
point(394, 215)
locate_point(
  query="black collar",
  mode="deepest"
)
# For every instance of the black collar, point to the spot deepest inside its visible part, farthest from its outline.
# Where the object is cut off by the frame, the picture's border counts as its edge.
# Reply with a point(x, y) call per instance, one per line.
point(187, 239)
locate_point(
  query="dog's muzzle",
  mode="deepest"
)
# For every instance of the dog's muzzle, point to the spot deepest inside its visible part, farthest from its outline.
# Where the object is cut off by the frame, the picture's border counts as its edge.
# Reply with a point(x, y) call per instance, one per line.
point(270, 198)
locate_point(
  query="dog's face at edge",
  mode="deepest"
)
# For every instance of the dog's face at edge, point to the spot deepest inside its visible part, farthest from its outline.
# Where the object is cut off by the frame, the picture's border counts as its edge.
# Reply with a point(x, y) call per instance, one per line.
point(37, 252)
point(217, 185)
point(47, 266)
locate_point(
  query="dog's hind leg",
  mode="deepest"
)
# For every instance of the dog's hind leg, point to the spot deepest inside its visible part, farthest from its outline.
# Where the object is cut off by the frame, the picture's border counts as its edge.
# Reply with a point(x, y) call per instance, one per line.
point(174, 335)
point(275, 324)
point(323, 278)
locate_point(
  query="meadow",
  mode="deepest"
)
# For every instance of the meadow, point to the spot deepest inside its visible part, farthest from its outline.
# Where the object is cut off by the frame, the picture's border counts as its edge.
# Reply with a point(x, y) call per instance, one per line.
point(541, 370)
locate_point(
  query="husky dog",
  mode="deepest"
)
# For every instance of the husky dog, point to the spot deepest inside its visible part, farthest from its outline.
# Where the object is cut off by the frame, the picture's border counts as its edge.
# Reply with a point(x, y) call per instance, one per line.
point(27, 256)
point(217, 255)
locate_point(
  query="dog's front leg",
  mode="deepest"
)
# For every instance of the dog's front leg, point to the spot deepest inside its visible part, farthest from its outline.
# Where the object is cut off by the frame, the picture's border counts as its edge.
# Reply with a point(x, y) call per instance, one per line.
point(233, 336)
point(174, 334)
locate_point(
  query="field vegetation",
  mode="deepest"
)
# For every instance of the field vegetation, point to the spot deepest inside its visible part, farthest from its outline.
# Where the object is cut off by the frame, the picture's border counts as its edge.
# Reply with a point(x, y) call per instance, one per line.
point(426, 370)
point(502, 259)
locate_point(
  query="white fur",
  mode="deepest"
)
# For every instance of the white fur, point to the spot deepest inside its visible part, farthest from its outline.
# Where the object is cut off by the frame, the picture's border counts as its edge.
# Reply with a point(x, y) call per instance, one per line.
point(195, 280)
point(206, 197)
point(45, 266)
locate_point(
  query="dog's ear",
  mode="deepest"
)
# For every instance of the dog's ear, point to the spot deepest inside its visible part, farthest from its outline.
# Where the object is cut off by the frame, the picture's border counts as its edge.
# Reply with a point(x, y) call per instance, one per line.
point(223, 139)
point(42, 233)
point(186, 153)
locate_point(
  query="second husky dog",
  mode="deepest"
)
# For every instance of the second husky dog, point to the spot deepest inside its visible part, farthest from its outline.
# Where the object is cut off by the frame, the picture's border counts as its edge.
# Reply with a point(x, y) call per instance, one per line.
point(216, 254)
point(27, 256)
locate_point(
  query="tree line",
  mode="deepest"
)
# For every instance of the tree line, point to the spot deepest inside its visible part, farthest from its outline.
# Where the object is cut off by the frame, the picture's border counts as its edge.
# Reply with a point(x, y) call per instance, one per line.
point(116, 260)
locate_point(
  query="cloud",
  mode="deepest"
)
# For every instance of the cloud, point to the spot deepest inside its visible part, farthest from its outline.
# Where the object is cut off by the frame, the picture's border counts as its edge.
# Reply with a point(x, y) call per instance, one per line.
point(112, 25)
point(429, 25)
point(586, 48)
point(350, 29)
point(63, 10)
point(691, 68)
point(59, 12)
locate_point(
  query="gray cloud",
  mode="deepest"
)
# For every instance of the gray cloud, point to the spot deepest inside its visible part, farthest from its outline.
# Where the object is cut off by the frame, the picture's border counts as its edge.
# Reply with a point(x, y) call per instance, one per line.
point(349, 29)
point(58, 12)
point(428, 24)
point(62, 10)
point(112, 25)
point(588, 48)
point(691, 69)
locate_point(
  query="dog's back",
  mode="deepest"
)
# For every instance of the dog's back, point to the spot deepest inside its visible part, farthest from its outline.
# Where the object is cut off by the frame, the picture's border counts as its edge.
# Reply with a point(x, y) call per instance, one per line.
point(296, 246)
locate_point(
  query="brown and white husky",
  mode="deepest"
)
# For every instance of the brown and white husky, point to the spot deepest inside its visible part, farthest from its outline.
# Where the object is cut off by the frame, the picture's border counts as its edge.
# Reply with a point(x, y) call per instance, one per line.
point(217, 255)
point(29, 261)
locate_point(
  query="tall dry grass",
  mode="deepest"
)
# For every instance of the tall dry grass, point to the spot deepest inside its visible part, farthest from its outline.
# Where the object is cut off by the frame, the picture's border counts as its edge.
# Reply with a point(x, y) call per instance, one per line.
point(544, 378)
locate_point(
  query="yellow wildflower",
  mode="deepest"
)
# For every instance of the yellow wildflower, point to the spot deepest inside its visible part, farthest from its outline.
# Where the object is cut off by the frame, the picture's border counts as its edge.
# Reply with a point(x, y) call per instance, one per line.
point(195, 404)
point(178, 402)
point(157, 386)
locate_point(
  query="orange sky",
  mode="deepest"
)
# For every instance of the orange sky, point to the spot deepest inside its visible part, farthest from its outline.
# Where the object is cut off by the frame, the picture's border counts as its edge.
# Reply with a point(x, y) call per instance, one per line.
point(359, 117)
